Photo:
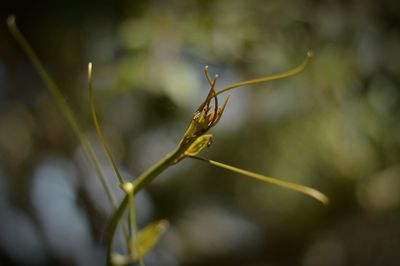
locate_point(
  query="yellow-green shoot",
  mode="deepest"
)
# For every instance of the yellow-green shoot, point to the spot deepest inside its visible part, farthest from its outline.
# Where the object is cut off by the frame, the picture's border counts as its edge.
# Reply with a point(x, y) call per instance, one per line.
point(194, 140)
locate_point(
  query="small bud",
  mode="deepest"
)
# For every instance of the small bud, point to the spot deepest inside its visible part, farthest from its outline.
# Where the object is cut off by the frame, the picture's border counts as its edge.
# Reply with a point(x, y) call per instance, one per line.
point(120, 260)
point(199, 144)
point(126, 187)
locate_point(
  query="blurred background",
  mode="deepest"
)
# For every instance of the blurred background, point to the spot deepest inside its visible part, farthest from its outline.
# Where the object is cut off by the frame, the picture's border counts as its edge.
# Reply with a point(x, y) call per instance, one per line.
point(335, 127)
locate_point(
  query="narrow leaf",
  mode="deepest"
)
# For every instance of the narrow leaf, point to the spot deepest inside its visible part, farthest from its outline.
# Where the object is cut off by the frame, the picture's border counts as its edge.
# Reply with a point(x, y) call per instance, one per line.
point(282, 75)
point(146, 239)
point(97, 126)
point(292, 186)
point(61, 103)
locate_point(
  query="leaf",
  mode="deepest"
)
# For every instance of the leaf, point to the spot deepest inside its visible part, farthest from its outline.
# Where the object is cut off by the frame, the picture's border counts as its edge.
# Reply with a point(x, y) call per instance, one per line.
point(59, 99)
point(292, 186)
point(97, 126)
point(148, 237)
point(282, 75)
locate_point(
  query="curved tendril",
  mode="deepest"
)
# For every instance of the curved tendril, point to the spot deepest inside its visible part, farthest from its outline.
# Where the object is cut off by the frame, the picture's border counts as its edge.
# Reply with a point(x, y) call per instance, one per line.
point(211, 93)
point(207, 74)
point(282, 75)
point(97, 127)
point(222, 110)
point(214, 93)
point(64, 107)
point(292, 186)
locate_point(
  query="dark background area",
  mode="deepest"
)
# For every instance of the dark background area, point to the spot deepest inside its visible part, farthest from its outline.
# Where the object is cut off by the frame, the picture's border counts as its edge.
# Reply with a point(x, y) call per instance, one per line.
point(335, 127)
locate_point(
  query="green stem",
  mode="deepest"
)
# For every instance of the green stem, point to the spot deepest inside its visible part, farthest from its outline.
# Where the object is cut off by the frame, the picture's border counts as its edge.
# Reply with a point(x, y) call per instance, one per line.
point(97, 126)
point(138, 184)
point(62, 104)
point(65, 109)
point(157, 169)
point(132, 220)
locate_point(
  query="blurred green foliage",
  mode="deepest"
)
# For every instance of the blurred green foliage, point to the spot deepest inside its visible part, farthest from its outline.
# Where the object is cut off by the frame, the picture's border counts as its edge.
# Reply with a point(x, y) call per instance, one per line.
point(335, 127)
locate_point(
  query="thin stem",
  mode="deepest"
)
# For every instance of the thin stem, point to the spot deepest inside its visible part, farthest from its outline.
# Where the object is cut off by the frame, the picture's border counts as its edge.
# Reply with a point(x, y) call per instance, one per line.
point(211, 94)
point(62, 104)
point(286, 74)
point(102, 141)
point(138, 184)
point(97, 127)
point(157, 169)
point(207, 74)
point(222, 110)
point(215, 99)
point(292, 186)
point(133, 224)
point(112, 227)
